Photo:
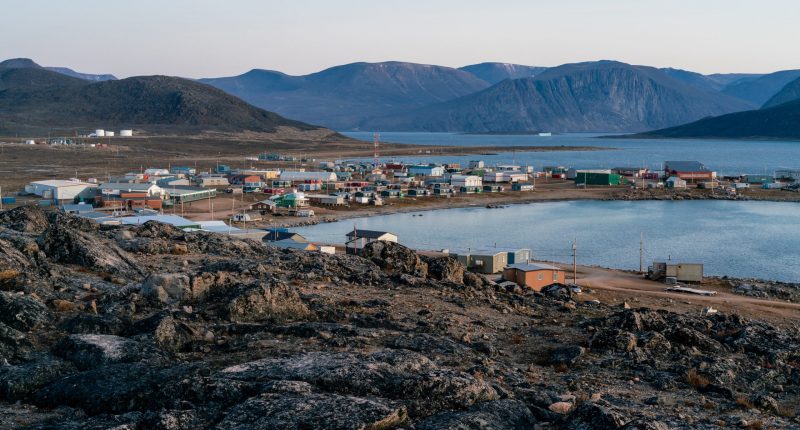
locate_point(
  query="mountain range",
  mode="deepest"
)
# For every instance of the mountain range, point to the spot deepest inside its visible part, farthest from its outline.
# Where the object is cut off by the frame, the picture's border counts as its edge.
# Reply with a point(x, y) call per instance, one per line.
point(602, 96)
point(34, 98)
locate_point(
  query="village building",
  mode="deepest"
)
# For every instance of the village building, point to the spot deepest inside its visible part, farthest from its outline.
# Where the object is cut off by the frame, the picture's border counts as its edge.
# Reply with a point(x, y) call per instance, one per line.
point(597, 178)
point(61, 191)
point(119, 189)
point(191, 194)
point(690, 171)
point(326, 200)
point(634, 172)
point(358, 239)
point(425, 170)
point(212, 181)
point(675, 182)
point(307, 176)
point(534, 275)
point(681, 272)
point(466, 181)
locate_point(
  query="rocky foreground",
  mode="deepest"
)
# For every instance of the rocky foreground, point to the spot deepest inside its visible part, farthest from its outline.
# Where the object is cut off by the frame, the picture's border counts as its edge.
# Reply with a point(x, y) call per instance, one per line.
point(150, 327)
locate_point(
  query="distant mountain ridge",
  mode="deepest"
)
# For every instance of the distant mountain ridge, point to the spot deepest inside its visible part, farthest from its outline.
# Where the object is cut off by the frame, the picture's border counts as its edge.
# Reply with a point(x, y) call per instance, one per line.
point(494, 73)
point(342, 97)
point(21, 63)
point(789, 93)
point(760, 89)
point(582, 97)
point(36, 98)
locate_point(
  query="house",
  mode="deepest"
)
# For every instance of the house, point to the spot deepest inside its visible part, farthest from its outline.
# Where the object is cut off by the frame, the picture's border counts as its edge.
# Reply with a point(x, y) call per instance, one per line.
point(277, 234)
point(156, 172)
point(682, 272)
point(483, 261)
point(690, 171)
point(292, 244)
point(252, 183)
point(675, 182)
point(263, 206)
point(505, 176)
point(534, 275)
point(635, 172)
point(476, 164)
point(326, 200)
point(212, 181)
point(466, 181)
point(425, 170)
point(290, 200)
point(62, 191)
point(358, 239)
point(522, 186)
point(117, 189)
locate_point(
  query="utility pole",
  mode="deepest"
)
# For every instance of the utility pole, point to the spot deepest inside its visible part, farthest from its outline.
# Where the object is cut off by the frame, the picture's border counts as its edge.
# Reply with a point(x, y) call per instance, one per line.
point(1, 199)
point(575, 261)
point(641, 252)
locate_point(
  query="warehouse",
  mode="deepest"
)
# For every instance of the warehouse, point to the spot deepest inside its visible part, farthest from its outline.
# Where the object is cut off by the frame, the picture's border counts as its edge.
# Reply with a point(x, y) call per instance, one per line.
point(593, 178)
point(682, 272)
point(326, 200)
point(212, 181)
point(62, 191)
point(426, 170)
point(191, 194)
point(118, 188)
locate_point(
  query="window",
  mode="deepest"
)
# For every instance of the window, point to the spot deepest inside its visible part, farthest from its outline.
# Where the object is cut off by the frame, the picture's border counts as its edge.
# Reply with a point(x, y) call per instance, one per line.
point(540, 276)
point(555, 276)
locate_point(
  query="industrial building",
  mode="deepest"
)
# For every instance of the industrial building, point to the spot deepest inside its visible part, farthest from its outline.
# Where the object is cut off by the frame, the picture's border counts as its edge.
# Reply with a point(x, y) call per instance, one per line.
point(425, 170)
point(690, 171)
point(61, 191)
point(534, 276)
point(466, 181)
point(191, 194)
point(681, 272)
point(595, 178)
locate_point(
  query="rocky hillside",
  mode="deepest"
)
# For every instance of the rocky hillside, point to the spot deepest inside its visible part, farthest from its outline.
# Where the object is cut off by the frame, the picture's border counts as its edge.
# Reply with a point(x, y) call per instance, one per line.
point(778, 122)
point(789, 93)
point(584, 97)
point(33, 98)
point(28, 63)
point(342, 97)
point(150, 327)
point(493, 73)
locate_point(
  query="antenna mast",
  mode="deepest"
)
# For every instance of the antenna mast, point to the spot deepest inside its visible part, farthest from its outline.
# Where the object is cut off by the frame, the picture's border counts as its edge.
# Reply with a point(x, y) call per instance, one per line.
point(375, 143)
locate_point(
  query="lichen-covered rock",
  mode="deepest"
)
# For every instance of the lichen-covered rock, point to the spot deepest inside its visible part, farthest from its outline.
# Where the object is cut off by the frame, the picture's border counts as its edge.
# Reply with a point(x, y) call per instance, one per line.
point(19, 381)
point(167, 288)
point(87, 351)
point(318, 411)
point(496, 415)
point(26, 219)
point(23, 312)
point(394, 258)
point(445, 269)
point(267, 302)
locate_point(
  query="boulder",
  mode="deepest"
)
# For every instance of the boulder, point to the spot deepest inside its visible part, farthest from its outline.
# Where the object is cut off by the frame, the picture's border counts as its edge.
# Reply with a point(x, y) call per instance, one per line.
point(19, 381)
point(496, 415)
point(445, 269)
point(26, 219)
point(591, 416)
point(267, 302)
point(23, 312)
point(13, 343)
point(88, 351)
point(167, 288)
point(395, 259)
point(318, 411)
point(567, 354)
point(394, 374)
point(73, 240)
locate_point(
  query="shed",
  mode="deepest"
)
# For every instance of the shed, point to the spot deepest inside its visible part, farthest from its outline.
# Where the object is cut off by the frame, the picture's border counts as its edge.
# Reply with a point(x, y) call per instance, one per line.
point(533, 275)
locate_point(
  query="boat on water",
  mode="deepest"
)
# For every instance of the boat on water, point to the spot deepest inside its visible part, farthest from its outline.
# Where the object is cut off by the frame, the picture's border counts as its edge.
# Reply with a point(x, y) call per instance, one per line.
point(545, 134)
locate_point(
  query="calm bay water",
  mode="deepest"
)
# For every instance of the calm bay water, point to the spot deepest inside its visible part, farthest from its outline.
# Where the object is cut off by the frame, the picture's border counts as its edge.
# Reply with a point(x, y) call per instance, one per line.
point(727, 157)
point(742, 239)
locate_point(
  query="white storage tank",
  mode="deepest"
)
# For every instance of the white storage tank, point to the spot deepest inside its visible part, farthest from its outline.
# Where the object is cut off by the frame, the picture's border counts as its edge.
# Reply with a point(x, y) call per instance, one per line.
point(100, 132)
point(126, 133)
point(109, 134)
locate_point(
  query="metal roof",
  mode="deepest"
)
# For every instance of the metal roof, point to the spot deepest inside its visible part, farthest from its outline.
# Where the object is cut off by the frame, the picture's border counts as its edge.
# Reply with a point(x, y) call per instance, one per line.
point(63, 183)
point(532, 267)
point(127, 186)
point(174, 220)
point(368, 234)
point(686, 166)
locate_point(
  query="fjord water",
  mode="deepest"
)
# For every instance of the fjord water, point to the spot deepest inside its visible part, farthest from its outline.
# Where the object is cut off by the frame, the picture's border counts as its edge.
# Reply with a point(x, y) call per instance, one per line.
point(741, 239)
point(727, 157)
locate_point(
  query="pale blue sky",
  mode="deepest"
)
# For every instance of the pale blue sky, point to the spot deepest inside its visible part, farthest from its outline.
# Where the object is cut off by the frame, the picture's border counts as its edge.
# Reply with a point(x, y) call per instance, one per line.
point(202, 38)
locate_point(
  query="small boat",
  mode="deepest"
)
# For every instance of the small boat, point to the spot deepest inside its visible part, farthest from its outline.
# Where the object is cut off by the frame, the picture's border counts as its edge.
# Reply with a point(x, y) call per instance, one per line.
point(545, 134)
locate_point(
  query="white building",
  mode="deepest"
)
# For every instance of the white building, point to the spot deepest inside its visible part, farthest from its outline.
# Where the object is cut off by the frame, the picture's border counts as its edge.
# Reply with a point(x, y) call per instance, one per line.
point(505, 176)
point(466, 181)
point(476, 164)
point(308, 176)
point(117, 188)
point(156, 172)
point(675, 182)
point(212, 181)
point(61, 191)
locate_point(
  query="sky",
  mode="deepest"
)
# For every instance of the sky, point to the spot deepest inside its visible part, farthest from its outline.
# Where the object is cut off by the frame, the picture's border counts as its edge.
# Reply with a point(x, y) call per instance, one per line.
point(203, 38)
